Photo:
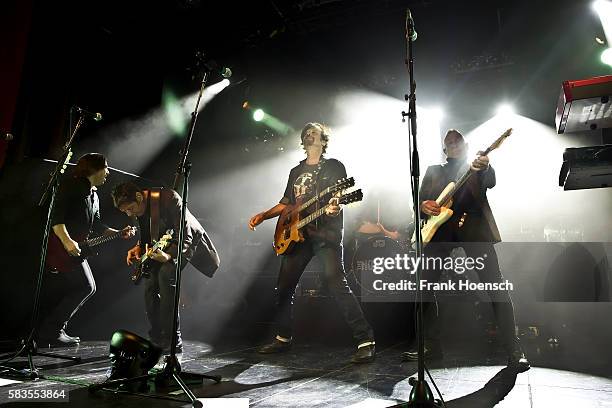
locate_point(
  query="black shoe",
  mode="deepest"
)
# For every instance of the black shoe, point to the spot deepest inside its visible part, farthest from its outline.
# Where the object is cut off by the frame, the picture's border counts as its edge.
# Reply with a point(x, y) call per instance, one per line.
point(364, 354)
point(276, 346)
point(517, 361)
point(433, 351)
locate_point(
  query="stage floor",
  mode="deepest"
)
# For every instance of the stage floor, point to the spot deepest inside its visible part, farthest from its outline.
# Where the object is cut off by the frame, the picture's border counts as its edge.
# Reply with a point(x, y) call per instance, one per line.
point(319, 376)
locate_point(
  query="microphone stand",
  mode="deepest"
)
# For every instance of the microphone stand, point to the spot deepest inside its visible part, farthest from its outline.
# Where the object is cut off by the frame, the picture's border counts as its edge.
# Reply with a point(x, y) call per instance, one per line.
point(28, 345)
point(172, 368)
point(420, 395)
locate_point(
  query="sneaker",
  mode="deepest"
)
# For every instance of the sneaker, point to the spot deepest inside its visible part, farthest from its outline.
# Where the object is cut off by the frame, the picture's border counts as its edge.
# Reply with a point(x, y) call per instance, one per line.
point(277, 346)
point(64, 338)
point(365, 353)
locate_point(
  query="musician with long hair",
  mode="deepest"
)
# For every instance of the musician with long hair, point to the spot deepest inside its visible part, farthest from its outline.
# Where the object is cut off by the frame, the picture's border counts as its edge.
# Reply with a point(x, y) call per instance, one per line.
point(323, 239)
point(76, 214)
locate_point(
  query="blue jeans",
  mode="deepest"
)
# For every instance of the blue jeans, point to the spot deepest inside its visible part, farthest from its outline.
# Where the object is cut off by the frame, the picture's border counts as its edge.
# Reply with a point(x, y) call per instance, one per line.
point(292, 267)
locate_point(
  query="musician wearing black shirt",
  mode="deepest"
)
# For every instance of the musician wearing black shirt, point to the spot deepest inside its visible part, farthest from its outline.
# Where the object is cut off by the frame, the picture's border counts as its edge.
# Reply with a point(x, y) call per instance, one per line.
point(76, 213)
point(322, 239)
point(158, 210)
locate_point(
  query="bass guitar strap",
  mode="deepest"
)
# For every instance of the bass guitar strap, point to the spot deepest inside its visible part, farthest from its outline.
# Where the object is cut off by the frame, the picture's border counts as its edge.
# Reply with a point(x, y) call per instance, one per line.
point(154, 197)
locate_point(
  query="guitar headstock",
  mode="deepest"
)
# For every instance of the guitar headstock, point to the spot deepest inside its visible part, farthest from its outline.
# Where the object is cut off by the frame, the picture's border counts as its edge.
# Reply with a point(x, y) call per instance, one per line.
point(165, 239)
point(499, 141)
point(65, 165)
point(342, 184)
point(351, 197)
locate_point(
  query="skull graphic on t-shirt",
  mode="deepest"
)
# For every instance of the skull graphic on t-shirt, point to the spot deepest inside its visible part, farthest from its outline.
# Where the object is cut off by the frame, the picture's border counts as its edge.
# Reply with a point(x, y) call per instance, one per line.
point(303, 184)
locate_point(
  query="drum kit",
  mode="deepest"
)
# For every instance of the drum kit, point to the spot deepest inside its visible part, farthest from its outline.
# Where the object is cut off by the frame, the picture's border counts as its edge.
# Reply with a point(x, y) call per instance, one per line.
point(372, 241)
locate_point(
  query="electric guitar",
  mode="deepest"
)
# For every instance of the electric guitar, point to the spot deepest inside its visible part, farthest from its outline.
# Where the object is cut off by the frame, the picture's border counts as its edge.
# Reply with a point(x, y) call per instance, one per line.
point(145, 265)
point(291, 214)
point(341, 184)
point(290, 222)
point(445, 199)
point(61, 261)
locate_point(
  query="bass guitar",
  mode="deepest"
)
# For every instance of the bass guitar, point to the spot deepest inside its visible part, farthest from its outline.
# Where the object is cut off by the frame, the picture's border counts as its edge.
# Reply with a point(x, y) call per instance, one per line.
point(145, 265)
point(61, 261)
point(290, 222)
point(445, 199)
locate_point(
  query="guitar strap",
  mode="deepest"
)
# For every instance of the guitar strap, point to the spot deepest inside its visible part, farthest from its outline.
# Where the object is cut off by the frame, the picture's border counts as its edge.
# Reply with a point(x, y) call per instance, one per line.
point(316, 177)
point(154, 198)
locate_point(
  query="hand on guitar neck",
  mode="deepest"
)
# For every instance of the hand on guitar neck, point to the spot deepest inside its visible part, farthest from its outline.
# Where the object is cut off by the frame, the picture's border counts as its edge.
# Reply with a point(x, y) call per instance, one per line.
point(135, 254)
point(125, 233)
point(158, 255)
point(481, 162)
point(333, 209)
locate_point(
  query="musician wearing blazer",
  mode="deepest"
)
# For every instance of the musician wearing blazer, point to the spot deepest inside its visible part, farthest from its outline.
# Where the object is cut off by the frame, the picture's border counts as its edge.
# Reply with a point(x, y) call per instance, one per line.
point(158, 210)
point(473, 228)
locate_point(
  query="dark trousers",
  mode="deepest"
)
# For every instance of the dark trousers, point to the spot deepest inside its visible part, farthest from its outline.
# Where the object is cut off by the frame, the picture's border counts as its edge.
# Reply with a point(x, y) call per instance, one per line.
point(159, 305)
point(64, 294)
point(500, 299)
point(292, 267)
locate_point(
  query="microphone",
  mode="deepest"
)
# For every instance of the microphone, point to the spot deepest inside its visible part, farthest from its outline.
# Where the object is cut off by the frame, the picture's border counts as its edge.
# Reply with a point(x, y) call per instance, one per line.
point(410, 31)
point(225, 72)
point(97, 116)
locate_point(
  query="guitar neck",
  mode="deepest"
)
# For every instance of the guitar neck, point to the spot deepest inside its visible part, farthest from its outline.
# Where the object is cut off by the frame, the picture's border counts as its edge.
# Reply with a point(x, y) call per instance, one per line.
point(465, 177)
point(314, 199)
point(102, 239)
point(307, 220)
point(458, 184)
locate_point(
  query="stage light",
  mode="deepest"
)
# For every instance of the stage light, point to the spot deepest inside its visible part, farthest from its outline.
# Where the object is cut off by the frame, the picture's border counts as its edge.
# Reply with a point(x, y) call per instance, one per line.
point(599, 41)
point(505, 110)
point(175, 114)
point(272, 122)
point(437, 112)
point(258, 115)
point(603, 8)
point(513, 174)
point(371, 142)
point(132, 356)
point(606, 56)
point(598, 5)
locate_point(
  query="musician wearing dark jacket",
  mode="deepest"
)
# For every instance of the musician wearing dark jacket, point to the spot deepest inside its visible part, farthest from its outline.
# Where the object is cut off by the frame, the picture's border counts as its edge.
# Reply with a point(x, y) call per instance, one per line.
point(323, 238)
point(473, 228)
point(159, 210)
point(75, 215)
